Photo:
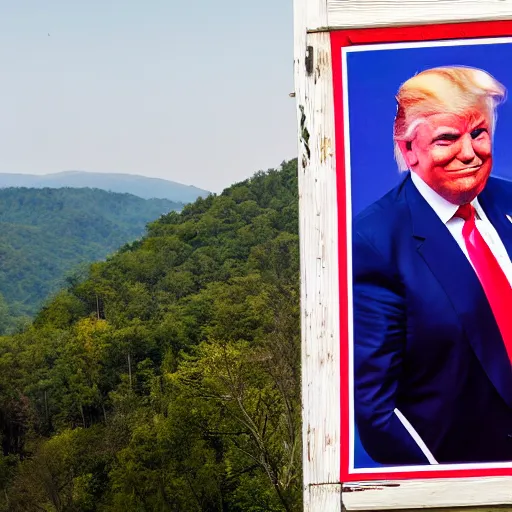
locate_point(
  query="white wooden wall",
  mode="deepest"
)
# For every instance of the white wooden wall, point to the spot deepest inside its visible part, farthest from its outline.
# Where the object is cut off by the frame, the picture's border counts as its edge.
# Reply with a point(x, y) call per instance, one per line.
point(374, 13)
point(313, 19)
point(320, 296)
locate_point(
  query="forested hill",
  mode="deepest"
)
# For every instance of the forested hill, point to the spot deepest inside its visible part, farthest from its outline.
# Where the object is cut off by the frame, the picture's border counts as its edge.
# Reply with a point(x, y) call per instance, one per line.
point(45, 233)
point(168, 378)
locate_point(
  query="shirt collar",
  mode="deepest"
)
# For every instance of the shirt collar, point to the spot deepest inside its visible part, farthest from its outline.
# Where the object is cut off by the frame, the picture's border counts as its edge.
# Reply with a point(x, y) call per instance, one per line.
point(443, 208)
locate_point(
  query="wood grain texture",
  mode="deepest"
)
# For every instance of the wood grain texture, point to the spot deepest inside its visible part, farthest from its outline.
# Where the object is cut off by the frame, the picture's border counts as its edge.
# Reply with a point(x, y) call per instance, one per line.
point(319, 263)
point(319, 259)
point(324, 498)
point(375, 13)
point(436, 493)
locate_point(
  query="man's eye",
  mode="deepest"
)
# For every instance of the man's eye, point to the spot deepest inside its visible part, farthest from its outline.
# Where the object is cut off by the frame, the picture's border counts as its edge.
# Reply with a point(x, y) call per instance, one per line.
point(445, 141)
point(477, 132)
point(446, 138)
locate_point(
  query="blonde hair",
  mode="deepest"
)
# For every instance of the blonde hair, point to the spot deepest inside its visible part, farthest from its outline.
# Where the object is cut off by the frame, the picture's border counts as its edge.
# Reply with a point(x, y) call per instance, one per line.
point(451, 90)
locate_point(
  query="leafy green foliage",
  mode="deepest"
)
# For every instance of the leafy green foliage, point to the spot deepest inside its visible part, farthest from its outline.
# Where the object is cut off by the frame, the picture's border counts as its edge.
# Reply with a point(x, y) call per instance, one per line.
point(48, 233)
point(166, 377)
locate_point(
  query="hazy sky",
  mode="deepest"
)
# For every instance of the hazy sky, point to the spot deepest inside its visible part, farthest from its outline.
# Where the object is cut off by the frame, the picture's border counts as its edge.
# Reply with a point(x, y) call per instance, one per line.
point(191, 91)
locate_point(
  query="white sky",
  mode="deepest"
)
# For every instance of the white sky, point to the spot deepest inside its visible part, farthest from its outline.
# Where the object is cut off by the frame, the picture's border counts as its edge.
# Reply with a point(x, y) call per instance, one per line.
point(194, 92)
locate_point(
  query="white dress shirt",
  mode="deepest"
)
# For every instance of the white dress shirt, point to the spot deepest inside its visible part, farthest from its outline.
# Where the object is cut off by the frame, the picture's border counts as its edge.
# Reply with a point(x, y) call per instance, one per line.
point(446, 211)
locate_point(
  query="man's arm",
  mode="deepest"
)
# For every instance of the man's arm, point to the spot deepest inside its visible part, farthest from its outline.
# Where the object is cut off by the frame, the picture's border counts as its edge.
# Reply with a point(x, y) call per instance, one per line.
point(379, 344)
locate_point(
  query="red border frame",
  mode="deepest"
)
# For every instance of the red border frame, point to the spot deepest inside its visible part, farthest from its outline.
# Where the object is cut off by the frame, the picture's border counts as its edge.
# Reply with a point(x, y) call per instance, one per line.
point(340, 39)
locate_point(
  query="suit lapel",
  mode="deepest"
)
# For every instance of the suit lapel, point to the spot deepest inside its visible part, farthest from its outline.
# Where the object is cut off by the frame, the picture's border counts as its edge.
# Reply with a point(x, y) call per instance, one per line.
point(447, 262)
point(500, 216)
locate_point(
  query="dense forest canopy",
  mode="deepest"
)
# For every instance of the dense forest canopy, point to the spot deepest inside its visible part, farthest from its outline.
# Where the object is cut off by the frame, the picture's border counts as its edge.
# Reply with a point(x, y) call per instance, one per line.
point(46, 233)
point(166, 378)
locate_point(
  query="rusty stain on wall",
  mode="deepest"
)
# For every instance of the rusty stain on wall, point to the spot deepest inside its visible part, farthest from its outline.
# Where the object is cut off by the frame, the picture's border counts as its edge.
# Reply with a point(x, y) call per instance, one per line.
point(325, 149)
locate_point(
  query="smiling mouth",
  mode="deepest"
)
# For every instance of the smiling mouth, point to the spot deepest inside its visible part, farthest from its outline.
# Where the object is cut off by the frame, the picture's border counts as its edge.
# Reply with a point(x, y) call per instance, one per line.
point(463, 170)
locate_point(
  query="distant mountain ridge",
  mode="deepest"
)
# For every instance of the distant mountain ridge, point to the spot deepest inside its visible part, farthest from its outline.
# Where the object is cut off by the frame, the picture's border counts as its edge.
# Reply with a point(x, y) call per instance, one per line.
point(141, 186)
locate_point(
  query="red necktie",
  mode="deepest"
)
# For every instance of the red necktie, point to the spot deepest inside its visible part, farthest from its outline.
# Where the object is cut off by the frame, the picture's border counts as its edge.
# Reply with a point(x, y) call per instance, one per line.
point(494, 281)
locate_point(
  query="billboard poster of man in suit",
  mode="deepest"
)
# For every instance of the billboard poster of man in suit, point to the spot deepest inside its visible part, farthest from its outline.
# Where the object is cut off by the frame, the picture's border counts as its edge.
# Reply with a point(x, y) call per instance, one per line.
point(428, 168)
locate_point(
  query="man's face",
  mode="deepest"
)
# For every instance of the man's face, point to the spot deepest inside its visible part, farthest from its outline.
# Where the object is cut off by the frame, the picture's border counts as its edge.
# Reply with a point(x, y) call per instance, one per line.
point(452, 154)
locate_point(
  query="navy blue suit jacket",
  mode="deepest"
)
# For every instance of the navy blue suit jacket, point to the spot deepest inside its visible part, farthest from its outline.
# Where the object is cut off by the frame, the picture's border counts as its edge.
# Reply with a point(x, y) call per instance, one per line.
point(425, 339)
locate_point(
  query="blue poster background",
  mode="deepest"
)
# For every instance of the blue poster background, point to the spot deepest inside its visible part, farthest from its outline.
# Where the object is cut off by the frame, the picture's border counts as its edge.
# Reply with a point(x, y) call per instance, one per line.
point(373, 79)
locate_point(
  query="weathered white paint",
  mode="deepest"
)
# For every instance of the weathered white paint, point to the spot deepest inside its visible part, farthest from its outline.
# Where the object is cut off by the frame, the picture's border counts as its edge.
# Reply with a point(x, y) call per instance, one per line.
point(373, 13)
point(319, 263)
point(418, 494)
point(324, 498)
point(319, 266)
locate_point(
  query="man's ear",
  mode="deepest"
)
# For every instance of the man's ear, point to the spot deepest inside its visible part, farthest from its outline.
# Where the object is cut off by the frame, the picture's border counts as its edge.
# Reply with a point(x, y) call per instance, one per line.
point(408, 153)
